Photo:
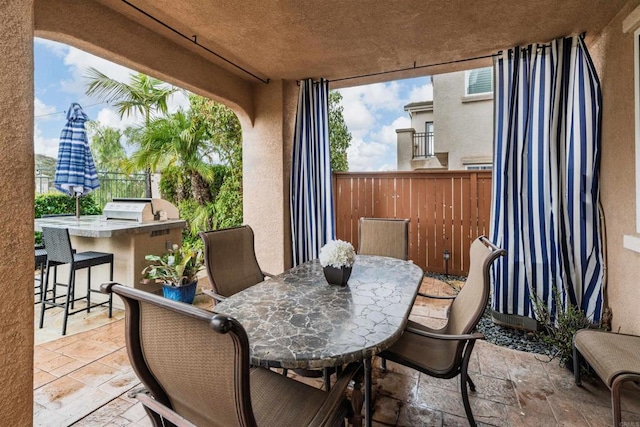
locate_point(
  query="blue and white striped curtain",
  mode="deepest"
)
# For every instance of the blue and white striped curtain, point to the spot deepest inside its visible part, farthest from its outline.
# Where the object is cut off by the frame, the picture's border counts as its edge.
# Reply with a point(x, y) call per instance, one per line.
point(312, 216)
point(545, 187)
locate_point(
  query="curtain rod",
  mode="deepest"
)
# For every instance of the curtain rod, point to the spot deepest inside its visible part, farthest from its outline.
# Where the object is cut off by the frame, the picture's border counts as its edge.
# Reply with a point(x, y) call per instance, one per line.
point(194, 39)
point(416, 67)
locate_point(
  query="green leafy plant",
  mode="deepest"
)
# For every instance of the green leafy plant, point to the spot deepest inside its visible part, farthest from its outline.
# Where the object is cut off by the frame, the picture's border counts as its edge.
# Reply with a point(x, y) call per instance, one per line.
point(59, 204)
point(558, 330)
point(178, 267)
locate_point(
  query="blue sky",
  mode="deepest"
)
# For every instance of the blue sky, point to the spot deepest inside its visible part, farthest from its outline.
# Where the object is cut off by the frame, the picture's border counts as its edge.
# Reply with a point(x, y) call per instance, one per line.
point(372, 112)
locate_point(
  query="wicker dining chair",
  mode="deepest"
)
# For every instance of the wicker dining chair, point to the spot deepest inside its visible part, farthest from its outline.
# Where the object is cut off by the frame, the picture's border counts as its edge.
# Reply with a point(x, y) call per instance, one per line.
point(230, 261)
point(384, 237)
point(195, 367)
point(445, 352)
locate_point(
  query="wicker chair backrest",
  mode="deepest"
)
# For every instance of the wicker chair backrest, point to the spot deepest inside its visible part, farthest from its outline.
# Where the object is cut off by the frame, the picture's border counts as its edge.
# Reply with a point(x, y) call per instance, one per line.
point(467, 309)
point(58, 244)
point(191, 360)
point(230, 260)
point(384, 237)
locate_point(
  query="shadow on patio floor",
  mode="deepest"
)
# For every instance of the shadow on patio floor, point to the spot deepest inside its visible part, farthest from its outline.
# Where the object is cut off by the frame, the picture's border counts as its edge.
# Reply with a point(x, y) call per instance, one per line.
point(83, 380)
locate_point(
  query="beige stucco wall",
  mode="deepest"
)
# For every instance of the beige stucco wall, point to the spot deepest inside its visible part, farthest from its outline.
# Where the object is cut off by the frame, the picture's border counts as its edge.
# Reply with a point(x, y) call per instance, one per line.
point(418, 119)
point(462, 127)
point(97, 29)
point(16, 207)
point(404, 148)
point(612, 53)
point(267, 163)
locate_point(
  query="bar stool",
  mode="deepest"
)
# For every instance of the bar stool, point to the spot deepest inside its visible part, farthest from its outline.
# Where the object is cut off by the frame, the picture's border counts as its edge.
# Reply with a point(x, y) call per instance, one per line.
point(59, 251)
point(40, 262)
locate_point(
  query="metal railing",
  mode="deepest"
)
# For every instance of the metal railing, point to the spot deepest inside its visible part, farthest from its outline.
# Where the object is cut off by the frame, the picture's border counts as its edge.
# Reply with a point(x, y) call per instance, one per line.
point(112, 184)
point(423, 144)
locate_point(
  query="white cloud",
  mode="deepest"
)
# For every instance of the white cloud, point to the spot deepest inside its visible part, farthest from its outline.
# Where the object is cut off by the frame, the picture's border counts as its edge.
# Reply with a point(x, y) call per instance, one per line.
point(58, 49)
point(42, 111)
point(366, 156)
point(387, 167)
point(421, 93)
point(79, 61)
point(358, 118)
point(375, 97)
point(110, 118)
point(42, 145)
point(387, 134)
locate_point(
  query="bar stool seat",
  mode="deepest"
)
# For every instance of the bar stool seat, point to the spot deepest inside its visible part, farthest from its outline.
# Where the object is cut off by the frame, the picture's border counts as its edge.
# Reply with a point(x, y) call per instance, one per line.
point(59, 252)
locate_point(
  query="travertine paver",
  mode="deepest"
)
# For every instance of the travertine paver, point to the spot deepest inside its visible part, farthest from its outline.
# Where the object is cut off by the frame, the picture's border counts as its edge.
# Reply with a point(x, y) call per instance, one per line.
point(514, 388)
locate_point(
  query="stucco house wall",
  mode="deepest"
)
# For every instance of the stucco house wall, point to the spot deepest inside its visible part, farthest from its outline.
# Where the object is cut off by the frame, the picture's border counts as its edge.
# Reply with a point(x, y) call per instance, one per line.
point(462, 126)
point(612, 52)
point(16, 211)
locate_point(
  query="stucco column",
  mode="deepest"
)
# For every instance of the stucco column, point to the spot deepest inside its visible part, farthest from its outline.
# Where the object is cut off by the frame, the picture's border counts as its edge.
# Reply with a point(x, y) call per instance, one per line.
point(16, 212)
point(266, 160)
point(404, 148)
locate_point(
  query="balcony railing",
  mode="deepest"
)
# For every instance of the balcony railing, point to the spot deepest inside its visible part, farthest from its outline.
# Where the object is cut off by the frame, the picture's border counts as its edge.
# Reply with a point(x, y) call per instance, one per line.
point(422, 144)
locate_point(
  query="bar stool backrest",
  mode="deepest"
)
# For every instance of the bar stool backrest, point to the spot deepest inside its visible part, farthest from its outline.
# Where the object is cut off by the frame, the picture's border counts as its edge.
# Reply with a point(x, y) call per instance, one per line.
point(58, 244)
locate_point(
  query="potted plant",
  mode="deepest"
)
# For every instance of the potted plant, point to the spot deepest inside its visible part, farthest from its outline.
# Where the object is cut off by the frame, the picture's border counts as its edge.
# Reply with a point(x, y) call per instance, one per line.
point(176, 270)
point(337, 258)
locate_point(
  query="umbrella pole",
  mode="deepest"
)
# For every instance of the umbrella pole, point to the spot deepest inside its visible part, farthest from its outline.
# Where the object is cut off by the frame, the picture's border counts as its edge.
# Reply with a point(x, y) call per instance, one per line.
point(77, 206)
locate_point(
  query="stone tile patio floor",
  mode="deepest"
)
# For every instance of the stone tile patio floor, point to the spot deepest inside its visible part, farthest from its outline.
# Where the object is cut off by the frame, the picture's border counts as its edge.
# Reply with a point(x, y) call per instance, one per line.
point(83, 380)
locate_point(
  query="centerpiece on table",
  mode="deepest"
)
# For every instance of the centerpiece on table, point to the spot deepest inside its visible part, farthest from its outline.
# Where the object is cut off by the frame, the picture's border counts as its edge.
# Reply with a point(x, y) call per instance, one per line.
point(337, 258)
point(176, 270)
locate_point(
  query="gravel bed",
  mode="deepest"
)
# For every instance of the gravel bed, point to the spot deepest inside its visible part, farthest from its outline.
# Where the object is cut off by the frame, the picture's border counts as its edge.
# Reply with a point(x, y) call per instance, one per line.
point(500, 335)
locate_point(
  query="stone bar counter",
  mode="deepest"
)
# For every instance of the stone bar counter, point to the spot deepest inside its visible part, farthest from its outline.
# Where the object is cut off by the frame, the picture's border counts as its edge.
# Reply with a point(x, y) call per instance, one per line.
point(128, 241)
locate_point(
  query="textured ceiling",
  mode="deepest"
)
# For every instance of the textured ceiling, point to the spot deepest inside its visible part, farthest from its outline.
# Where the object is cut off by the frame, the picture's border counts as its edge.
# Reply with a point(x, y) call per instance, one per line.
point(292, 39)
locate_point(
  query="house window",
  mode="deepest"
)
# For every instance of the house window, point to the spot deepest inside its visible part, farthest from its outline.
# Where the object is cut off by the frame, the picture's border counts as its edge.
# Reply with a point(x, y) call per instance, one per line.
point(478, 81)
point(479, 167)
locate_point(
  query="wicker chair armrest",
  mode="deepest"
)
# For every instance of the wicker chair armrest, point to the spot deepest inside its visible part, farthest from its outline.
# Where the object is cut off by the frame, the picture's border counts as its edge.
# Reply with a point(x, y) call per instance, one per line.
point(167, 414)
point(210, 293)
point(464, 337)
point(420, 294)
point(105, 287)
point(268, 275)
point(336, 395)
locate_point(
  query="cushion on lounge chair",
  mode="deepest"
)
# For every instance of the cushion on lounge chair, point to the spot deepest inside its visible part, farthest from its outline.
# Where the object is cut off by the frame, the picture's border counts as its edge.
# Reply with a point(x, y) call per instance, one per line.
point(609, 354)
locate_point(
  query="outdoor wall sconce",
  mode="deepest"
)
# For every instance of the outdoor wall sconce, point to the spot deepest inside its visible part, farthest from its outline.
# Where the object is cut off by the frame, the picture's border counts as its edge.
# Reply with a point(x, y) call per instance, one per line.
point(446, 255)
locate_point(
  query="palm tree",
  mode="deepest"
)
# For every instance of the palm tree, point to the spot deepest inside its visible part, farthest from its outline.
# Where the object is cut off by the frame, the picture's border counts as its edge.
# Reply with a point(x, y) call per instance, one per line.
point(143, 94)
point(178, 141)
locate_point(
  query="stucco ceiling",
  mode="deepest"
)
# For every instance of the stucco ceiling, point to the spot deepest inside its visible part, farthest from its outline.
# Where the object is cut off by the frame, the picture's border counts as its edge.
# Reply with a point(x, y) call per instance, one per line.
point(334, 39)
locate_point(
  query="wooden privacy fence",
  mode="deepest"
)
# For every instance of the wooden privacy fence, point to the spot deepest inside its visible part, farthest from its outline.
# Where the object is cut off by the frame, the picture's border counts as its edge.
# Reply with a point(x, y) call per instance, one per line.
point(446, 209)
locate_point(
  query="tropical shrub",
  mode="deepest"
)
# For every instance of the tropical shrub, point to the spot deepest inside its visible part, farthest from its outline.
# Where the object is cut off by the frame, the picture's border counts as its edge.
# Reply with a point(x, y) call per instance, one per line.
point(60, 204)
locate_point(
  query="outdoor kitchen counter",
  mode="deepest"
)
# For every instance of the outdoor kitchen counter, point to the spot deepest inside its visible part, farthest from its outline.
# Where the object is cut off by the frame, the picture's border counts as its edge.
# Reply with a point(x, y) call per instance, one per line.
point(128, 241)
point(97, 226)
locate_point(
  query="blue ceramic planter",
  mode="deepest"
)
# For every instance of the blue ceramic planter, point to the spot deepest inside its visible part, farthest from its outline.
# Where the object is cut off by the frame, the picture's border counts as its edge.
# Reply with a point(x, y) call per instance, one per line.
point(184, 294)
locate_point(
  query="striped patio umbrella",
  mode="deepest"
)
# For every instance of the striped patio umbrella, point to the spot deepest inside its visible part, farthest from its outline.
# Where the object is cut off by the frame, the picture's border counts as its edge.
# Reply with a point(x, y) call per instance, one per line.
point(75, 171)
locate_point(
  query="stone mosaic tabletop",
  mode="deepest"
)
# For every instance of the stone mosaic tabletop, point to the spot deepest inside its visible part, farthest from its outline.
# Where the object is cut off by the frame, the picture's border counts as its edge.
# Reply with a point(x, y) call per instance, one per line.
point(298, 320)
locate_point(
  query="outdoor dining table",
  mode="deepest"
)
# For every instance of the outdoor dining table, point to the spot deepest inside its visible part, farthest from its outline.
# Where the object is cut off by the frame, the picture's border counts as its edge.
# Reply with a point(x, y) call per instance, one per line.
point(297, 320)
